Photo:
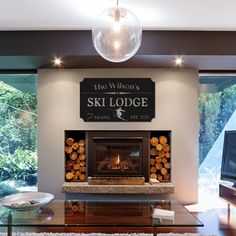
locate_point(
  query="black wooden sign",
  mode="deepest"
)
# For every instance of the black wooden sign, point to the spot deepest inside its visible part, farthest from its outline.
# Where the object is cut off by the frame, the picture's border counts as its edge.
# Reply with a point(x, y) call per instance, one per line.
point(114, 99)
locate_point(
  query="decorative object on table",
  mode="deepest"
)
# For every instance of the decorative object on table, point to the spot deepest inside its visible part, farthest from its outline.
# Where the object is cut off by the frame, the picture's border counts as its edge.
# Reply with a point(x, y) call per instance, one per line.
point(163, 214)
point(26, 201)
point(117, 34)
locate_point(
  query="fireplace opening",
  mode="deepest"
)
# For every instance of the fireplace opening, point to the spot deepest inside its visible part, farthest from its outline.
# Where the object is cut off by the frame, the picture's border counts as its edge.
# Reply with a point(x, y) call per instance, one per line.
point(118, 154)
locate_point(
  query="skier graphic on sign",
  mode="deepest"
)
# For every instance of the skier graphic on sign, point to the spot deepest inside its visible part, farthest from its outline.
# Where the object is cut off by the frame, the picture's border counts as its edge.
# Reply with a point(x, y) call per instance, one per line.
point(119, 113)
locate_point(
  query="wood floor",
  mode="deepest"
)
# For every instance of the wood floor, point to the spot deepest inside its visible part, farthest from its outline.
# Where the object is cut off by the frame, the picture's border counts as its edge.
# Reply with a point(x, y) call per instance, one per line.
point(218, 221)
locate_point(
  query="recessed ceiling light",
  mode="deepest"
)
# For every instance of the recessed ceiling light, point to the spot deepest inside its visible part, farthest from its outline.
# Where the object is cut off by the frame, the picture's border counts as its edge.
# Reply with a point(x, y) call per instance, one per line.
point(57, 61)
point(178, 61)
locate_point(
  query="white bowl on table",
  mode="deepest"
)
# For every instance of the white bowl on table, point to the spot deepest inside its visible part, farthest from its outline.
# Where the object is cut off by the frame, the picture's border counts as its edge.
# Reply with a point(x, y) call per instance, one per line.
point(26, 201)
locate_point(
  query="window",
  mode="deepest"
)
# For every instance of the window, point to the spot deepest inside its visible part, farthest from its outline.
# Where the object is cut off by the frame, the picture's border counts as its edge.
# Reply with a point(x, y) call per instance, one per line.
point(217, 106)
point(18, 133)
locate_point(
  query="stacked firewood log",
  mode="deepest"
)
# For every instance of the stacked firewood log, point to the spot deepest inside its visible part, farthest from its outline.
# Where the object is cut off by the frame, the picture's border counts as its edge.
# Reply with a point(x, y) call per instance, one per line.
point(74, 208)
point(75, 160)
point(160, 164)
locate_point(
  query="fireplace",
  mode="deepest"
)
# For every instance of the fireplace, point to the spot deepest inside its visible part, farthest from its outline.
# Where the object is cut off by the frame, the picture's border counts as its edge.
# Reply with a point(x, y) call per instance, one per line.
point(118, 154)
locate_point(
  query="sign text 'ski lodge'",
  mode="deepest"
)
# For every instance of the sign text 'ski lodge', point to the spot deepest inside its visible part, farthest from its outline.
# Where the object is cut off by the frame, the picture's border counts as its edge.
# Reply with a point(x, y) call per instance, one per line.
point(113, 99)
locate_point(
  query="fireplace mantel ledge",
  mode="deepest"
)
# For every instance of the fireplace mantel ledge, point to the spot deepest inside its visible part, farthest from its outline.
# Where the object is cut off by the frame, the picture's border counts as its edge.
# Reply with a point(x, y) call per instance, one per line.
point(83, 187)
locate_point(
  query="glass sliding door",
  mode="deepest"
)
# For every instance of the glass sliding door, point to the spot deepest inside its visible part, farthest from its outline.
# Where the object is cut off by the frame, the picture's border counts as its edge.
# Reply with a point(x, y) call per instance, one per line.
point(217, 107)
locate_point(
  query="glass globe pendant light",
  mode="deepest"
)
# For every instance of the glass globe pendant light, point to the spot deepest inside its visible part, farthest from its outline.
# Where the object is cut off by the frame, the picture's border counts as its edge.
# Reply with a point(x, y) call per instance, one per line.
point(117, 34)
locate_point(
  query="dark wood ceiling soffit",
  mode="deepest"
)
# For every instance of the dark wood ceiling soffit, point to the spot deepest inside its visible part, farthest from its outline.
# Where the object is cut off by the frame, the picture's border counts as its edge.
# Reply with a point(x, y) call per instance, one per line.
point(205, 50)
point(79, 43)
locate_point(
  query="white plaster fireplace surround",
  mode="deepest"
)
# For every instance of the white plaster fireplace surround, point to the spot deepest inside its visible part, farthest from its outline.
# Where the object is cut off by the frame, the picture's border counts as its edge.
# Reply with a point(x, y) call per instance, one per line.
point(176, 110)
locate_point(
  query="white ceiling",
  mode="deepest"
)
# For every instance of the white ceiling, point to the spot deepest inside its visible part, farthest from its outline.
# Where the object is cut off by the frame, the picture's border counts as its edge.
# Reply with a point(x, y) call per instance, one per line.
point(153, 14)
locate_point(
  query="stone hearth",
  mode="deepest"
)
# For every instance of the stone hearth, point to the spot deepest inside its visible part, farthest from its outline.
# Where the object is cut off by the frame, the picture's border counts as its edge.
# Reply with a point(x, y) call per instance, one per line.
point(84, 187)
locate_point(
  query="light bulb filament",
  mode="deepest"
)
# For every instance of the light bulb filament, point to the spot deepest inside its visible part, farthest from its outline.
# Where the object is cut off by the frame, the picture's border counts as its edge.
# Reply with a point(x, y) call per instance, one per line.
point(117, 14)
point(116, 25)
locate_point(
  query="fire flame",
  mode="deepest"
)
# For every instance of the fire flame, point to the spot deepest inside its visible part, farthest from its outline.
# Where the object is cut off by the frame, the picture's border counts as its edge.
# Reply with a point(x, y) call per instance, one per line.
point(118, 160)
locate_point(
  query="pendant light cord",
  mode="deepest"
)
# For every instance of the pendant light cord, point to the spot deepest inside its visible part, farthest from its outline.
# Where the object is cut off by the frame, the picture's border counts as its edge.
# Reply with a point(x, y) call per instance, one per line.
point(117, 3)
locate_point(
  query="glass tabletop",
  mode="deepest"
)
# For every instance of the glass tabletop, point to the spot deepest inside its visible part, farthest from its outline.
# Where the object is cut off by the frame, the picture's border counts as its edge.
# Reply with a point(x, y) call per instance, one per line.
point(99, 213)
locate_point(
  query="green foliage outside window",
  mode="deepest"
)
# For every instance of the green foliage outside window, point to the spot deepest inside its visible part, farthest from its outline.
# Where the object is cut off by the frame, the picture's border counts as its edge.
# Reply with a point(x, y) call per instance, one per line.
point(22, 165)
point(18, 135)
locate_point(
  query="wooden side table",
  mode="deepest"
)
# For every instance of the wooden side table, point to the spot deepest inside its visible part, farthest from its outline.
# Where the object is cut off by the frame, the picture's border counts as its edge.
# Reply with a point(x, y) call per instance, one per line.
point(228, 193)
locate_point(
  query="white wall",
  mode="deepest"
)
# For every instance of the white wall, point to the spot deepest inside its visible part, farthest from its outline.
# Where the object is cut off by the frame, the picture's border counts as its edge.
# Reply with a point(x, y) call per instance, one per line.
point(176, 110)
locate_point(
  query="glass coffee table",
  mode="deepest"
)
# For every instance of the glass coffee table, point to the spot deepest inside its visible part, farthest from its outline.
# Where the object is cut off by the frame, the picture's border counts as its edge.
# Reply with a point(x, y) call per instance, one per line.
point(66, 213)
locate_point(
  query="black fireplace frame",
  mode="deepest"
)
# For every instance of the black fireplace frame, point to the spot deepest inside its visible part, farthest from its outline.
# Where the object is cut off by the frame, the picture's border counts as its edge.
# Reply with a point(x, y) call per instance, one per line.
point(144, 136)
